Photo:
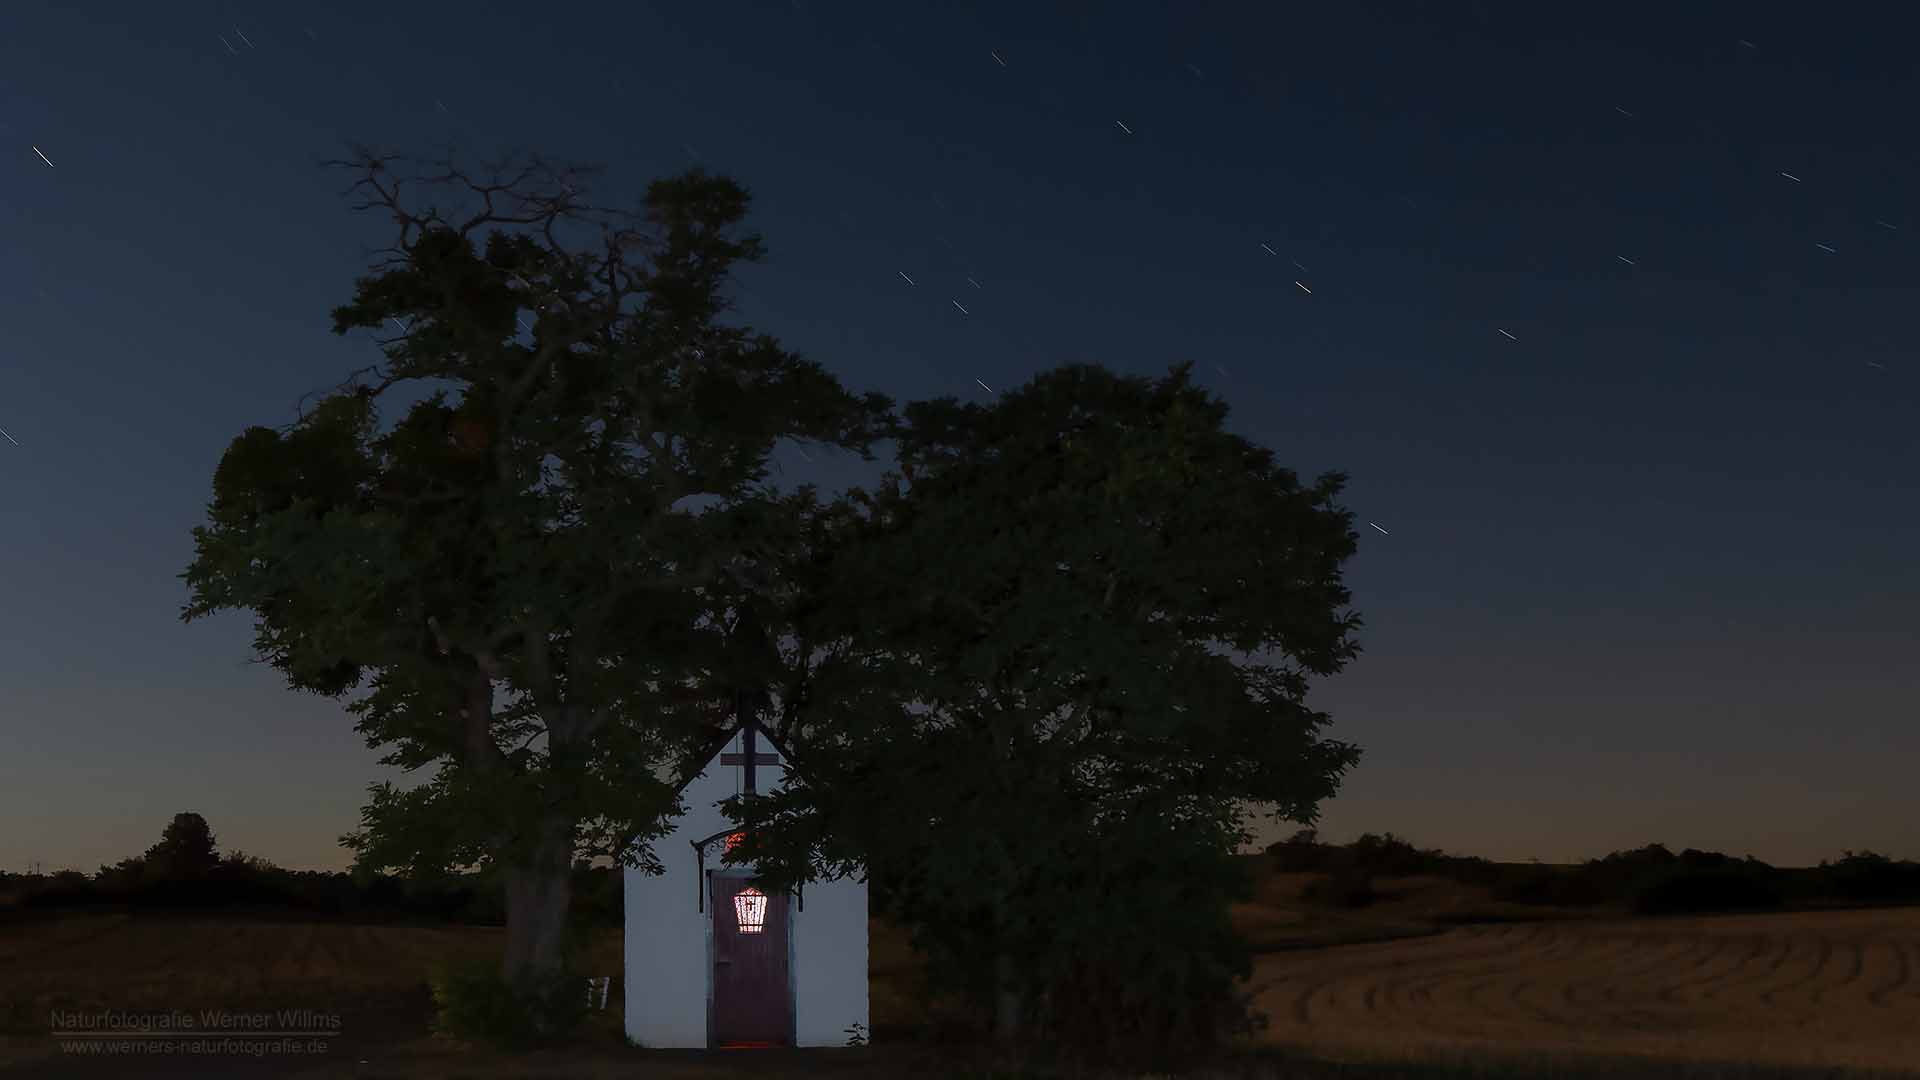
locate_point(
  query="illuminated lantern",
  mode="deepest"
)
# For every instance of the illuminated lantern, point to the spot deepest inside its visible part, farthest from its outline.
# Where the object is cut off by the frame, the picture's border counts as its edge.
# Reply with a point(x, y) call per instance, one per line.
point(750, 909)
point(721, 950)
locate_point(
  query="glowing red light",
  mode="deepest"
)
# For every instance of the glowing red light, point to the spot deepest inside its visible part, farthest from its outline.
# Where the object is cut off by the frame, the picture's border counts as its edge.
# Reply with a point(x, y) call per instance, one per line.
point(750, 910)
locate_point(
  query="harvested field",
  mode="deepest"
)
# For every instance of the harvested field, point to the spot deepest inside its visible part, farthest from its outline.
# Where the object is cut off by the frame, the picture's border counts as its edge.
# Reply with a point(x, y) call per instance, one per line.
point(1399, 981)
point(1797, 989)
point(122, 962)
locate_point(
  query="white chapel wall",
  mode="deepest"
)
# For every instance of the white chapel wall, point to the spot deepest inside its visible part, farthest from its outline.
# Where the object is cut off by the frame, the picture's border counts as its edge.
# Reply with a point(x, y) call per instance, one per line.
point(666, 955)
point(830, 962)
point(666, 943)
point(666, 926)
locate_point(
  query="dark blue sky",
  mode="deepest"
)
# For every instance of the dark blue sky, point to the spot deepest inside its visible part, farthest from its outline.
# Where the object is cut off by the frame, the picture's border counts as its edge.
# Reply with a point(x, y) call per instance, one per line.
point(1649, 567)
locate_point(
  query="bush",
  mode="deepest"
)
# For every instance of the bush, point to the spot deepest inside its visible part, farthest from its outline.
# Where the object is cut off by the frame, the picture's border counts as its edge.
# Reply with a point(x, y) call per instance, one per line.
point(1166, 998)
point(1551, 887)
point(1121, 952)
point(1111, 1011)
point(1382, 855)
point(599, 897)
point(473, 1003)
point(1347, 887)
point(1390, 856)
point(1301, 853)
point(1869, 878)
point(1713, 889)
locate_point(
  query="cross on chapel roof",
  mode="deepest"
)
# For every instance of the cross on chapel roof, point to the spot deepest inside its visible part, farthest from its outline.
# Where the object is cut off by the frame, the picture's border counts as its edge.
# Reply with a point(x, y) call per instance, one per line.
point(751, 731)
point(748, 757)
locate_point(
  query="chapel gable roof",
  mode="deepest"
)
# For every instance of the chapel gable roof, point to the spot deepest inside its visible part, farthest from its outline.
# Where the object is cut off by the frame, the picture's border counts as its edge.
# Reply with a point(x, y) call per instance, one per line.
point(704, 757)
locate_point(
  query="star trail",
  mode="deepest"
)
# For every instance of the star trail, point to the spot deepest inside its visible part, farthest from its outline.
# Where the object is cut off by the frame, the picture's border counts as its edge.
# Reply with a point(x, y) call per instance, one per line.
point(1609, 316)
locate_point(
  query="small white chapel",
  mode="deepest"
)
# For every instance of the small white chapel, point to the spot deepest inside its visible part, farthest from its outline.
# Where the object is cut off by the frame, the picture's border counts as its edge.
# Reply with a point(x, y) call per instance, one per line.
point(712, 961)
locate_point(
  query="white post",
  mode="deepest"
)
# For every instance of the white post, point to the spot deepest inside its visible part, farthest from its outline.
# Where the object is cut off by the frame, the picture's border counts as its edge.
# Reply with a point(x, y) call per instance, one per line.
point(600, 983)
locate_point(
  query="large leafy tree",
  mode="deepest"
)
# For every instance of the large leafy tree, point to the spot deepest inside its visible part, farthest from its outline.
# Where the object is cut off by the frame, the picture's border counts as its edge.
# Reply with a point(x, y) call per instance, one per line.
point(529, 575)
point(185, 851)
point(1043, 670)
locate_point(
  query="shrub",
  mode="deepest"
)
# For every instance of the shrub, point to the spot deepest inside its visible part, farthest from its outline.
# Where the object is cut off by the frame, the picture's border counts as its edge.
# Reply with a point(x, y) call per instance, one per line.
point(1127, 955)
point(1347, 887)
point(68, 888)
point(1114, 1010)
point(1865, 877)
point(1166, 999)
point(473, 1003)
point(1720, 888)
point(1652, 880)
point(1390, 856)
point(1552, 887)
point(1301, 853)
point(1383, 855)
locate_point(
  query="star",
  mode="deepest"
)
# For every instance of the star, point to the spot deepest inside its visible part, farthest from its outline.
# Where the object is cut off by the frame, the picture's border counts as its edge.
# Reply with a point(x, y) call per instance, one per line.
point(43, 157)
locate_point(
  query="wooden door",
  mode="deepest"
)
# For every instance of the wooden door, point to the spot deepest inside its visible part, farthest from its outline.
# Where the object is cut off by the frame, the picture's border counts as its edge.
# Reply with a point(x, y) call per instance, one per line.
point(752, 999)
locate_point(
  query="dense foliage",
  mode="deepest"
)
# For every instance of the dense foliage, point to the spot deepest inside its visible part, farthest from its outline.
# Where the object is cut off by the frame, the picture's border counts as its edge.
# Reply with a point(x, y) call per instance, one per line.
point(528, 574)
point(1053, 659)
point(1649, 880)
point(473, 1003)
point(238, 883)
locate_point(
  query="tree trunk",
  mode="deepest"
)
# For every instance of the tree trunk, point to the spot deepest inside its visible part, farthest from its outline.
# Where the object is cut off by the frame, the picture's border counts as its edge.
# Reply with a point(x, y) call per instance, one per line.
point(1008, 1008)
point(539, 892)
point(539, 876)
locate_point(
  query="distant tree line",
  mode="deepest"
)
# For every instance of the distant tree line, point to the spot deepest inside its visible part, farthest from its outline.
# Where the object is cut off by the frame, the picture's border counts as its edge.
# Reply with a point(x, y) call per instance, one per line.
point(1650, 880)
point(186, 872)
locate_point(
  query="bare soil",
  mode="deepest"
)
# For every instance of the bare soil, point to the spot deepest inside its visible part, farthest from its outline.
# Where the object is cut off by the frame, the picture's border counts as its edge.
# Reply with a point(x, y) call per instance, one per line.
point(1399, 988)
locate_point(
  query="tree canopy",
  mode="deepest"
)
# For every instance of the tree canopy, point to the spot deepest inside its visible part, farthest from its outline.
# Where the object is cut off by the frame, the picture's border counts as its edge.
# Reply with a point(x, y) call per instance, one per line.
point(528, 576)
point(185, 851)
point(1067, 642)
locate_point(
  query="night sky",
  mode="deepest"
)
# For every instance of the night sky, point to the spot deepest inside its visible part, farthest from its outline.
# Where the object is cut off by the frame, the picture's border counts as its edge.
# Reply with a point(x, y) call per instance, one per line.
point(1608, 313)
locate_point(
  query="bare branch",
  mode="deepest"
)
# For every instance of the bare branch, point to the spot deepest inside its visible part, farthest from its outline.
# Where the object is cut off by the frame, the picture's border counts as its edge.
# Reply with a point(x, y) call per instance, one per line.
point(534, 193)
point(350, 385)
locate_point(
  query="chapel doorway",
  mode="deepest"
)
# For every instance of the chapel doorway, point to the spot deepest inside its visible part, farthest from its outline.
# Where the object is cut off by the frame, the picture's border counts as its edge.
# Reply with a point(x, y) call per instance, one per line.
point(752, 984)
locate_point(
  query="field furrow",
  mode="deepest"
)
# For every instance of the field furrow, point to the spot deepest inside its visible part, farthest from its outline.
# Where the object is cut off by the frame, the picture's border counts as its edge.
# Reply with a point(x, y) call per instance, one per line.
point(1797, 989)
point(1900, 971)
